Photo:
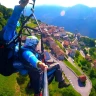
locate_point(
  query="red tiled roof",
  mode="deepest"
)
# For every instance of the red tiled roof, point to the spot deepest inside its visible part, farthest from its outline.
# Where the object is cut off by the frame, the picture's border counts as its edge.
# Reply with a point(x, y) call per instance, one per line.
point(94, 62)
point(82, 78)
point(52, 44)
point(69, 51)
point(66, 43)
point(50, 39)
point(56, 34)
point(88, 57)
point(60, 53)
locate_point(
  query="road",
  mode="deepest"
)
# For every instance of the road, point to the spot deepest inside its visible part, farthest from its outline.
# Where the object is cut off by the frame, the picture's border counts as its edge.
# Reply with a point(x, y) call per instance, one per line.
point(84, 91)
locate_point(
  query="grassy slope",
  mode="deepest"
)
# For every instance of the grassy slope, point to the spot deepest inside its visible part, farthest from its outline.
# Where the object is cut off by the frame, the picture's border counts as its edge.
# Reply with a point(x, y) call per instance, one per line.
point(8, 85)
point(55, 91)
point(78, 73)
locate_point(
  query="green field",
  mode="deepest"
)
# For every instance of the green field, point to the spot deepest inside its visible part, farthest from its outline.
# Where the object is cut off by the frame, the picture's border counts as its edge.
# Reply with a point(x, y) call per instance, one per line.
point(78, 73)
point(55, 91)
point(10, 87)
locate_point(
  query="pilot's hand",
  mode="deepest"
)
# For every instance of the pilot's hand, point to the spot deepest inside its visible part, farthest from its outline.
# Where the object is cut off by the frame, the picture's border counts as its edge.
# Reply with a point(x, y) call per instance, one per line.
point(42, 66)
point(23, 3)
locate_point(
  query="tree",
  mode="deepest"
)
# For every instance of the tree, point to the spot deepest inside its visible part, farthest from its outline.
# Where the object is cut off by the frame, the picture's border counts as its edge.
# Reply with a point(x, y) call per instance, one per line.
point(77, 54)
point(69, 92)
point(84, 62)
point(89, 42)
point(85, 52)
point(21, 79)
point(92, 73)
point(2, 22)
point(92, 52)
point(93, 92)
point(0, 27)
point(8, 13)
point(94, 83)
point(1, 15)
point(5, 13)
point(88, 65)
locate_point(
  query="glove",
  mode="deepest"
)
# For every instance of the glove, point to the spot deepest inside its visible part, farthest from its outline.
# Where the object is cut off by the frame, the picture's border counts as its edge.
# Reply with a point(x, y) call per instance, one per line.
point(23, 3)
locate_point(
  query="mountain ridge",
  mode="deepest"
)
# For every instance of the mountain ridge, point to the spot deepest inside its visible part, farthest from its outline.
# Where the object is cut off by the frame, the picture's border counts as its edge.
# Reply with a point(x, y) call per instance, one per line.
point(78, 17)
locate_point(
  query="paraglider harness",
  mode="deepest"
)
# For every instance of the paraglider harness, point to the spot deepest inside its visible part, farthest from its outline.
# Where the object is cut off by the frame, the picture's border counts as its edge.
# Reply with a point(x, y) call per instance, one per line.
point(6, 62)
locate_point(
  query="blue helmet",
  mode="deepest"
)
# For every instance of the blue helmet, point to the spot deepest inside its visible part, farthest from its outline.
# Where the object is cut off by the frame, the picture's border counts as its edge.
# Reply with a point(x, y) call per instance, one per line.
point(31, 41)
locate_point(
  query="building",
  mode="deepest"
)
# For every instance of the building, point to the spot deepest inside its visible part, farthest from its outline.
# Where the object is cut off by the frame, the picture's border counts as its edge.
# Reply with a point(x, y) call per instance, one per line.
point(88, 58)
point(82, 78)
point(60, 55)
point(66, 43)
point(94, 63)
point(71, 53)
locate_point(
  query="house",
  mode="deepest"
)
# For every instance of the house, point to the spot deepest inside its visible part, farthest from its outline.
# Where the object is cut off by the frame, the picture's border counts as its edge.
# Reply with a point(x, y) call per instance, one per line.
point(82, 78)
point(46, 34)
point(51, 30)
point(52, 45)
point(71, 53)
point(62, 31)
point(56, 35)
point(65, 37)
point(58, 52)
point(78, 36)
point(60, 55)
point(66, 43)
point(82, 43)
point(94, 63)
point(88, 58)
point(75, 41)
point(48, 40)
point(62, 34)
point(73, 45)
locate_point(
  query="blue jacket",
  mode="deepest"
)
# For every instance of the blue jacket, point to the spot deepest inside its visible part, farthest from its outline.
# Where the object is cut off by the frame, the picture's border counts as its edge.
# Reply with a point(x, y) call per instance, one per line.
point(9, 33)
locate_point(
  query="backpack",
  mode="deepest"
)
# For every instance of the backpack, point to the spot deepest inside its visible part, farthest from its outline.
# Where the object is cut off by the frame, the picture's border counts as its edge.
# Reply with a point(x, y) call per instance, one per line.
point(6, 64)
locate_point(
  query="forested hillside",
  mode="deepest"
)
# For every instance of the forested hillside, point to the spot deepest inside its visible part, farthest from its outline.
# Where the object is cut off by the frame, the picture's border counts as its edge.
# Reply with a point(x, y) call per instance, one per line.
point(4, 15)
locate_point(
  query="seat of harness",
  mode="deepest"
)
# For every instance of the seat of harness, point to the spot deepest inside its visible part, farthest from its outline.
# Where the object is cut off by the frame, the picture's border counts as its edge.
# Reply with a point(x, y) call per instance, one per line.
point(6, 61)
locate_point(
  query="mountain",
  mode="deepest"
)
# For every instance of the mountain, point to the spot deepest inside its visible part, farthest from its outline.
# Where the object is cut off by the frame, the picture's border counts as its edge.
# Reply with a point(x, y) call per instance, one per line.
point(79, 17)
point(46, 13)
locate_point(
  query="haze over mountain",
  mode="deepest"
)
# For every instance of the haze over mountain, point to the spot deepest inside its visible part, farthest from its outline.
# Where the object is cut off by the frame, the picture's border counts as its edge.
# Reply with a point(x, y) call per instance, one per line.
point(78, 17)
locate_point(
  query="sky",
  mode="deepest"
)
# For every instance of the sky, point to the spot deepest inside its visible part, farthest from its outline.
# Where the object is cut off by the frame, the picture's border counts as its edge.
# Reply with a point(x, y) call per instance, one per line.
point(65, 3)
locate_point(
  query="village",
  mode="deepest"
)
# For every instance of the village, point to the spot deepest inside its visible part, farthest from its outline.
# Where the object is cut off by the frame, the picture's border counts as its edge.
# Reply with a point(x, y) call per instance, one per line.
point(69, 42)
